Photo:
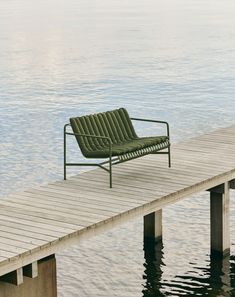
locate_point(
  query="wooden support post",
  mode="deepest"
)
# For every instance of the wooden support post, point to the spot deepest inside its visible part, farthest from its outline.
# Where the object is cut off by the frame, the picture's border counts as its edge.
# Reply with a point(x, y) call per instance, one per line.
point(31, 270)
point(153, 226)
point(44, 285)
point(219, 210)
point(232, 184)
point(14, 277)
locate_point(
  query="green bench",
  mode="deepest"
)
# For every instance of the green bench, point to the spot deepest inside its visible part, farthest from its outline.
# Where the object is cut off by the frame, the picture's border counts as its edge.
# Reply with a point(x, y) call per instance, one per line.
point(110, 135)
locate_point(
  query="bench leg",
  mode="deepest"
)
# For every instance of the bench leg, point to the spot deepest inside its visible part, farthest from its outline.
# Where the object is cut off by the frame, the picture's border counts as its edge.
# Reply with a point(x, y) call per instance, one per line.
point(169, 157)
point(64, 171)
point(64, 153)
point(110, 173)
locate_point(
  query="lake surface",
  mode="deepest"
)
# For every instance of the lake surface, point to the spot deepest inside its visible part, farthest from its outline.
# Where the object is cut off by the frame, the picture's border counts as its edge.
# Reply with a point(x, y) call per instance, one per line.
point(163, 59)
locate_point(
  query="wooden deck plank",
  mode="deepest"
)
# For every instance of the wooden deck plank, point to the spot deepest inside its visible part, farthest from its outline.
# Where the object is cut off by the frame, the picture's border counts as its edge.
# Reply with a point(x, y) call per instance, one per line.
point(44, 224)
point(6, 255)
point(73, 210)
point(197, 151)
point(192, 172)
point(140, 175)
point(129, 178)
point(18, 243)
point(100, 198)
point(78, 197)
point(43, 220)
point(38, 228)
point(102, 191)
point(159, 174)
point(138, 191)
point(49, 210)
point(43, 217)
point(29, 230)
point(13, 249)
point(11, 234)
point(213, 145)
point(146, 183)
point(131, 182)
point(166, 182)
point(213, 168)
point(205, 150)
point(209, 146)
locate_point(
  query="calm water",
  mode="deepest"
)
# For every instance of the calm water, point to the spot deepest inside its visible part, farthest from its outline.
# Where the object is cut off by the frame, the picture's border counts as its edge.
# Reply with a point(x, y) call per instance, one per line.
point(162, 59)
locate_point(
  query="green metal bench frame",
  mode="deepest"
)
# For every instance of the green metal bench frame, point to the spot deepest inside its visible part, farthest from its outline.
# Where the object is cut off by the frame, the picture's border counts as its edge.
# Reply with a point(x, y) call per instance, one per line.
point(113, 160)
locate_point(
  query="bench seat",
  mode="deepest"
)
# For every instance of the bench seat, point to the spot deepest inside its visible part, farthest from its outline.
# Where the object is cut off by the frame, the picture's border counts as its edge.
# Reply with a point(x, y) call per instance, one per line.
point(147, 144)
point(111, 135)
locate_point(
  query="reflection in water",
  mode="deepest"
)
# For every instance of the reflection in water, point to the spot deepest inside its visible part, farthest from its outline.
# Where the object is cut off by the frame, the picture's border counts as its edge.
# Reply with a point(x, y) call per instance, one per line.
point(153, 253)
point(217, 279)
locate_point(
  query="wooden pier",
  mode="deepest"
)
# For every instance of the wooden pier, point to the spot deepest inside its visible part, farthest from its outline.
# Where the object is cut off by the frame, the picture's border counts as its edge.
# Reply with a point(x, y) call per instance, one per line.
point(39, 222)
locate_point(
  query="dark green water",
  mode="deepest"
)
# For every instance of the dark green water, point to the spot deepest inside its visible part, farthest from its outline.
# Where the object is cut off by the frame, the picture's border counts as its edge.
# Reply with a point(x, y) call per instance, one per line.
point(217, 278)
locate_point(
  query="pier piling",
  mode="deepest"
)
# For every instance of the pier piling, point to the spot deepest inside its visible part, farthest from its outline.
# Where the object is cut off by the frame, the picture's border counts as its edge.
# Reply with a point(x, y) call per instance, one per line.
point(219, 220)
point(153, 226)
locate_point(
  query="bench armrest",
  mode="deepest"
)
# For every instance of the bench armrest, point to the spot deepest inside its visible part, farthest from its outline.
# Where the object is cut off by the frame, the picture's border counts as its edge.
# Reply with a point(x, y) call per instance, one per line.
point(155, 121)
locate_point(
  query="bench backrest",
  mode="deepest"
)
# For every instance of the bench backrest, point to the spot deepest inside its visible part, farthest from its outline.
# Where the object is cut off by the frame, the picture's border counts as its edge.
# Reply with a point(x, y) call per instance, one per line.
point(115, 124)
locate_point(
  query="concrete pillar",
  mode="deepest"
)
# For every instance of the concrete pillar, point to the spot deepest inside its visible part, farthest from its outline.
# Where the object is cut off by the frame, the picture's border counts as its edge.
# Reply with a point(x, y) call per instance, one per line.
point(153, 226)
point(219, 210)
point(43, 285)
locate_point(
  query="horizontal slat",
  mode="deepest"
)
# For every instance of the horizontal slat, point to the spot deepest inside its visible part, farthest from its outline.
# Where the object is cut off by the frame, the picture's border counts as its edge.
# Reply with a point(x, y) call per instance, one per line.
point(42, 217)
point(29, 206)
point(101, 203)
point(53, 208)
point(27, 224)
point(28, 230)
point(12, 234)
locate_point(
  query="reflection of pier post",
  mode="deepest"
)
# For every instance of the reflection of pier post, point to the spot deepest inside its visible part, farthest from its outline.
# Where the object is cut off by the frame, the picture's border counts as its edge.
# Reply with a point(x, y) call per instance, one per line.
point(153, 253)
point(220, 276)
point(219, 209)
